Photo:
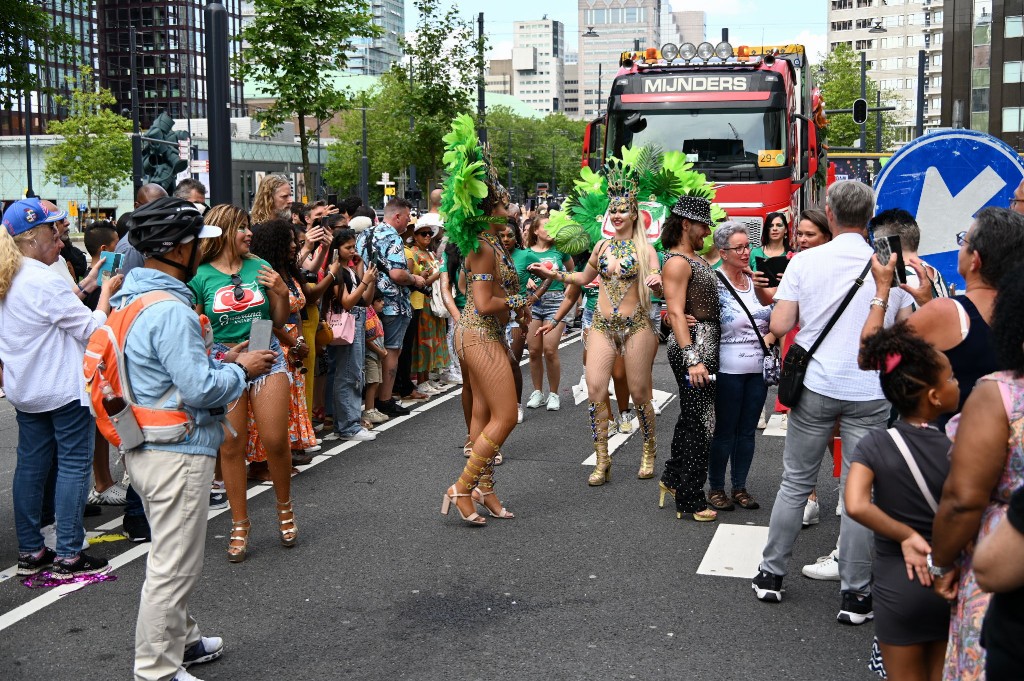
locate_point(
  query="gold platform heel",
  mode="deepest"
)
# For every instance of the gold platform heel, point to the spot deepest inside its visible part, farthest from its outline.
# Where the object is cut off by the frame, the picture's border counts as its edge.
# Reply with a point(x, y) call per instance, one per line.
point(239, 533)
point(290, 535)
point(664, 489)
point(645, 413)
point(602, 473)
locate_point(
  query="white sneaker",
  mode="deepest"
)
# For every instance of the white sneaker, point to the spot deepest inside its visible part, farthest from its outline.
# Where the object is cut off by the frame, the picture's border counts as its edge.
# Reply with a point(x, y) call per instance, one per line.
point(839, 506)
point(183, 675)
point(554, 402)
point(761, 423)
point(784, 421)
point(519, 409)
point(361, 435)
point(375, 416)
point(315, 448)
point(536, 399)
point(825, 568)
point(626, 422)
point(115, 495)
point(452, 377)
point(426, 388)
point(437, 385)
point(812, 513)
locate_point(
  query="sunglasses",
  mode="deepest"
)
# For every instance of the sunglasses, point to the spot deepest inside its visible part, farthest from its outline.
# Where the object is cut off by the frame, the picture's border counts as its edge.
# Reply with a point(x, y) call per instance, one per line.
point(239, 292)
point(426, 233)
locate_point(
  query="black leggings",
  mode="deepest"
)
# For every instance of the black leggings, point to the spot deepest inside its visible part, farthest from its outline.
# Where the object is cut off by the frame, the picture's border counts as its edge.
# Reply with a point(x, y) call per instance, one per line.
point(403, 379)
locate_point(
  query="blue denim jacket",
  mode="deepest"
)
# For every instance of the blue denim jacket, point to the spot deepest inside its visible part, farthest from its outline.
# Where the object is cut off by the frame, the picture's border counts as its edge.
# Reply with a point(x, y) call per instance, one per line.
point(164, 347)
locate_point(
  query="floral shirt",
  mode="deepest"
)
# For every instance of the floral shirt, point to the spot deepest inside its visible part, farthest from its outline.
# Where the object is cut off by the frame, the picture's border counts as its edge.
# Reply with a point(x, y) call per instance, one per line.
point(388, 254)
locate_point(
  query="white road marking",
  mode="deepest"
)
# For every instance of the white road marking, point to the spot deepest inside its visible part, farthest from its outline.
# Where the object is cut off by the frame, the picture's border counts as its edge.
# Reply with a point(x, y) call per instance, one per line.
point(52, 595)
point(776, 425)
point(735, 551)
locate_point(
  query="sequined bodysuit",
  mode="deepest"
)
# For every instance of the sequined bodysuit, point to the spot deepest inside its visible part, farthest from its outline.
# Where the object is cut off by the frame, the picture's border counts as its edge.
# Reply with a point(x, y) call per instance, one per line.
point(617, 327)
point(474, 327)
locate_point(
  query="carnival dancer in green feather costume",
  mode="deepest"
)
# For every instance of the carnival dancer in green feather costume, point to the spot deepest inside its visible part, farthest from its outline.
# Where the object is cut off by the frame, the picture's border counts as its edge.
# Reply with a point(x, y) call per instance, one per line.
point(475, 206)
point(605, 211)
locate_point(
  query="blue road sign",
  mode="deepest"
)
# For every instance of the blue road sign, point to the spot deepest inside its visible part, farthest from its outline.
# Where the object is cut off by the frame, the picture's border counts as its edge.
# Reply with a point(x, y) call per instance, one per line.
point(944, 178)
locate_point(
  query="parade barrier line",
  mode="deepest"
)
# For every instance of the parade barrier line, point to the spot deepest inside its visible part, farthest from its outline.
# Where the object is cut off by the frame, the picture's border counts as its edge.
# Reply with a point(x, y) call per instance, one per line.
point(54, 594)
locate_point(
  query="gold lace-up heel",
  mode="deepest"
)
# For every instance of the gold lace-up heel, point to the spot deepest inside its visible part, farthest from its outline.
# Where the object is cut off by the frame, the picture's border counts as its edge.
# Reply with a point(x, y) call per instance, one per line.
point(602, 473)
point(289, 530)
point(645, 413)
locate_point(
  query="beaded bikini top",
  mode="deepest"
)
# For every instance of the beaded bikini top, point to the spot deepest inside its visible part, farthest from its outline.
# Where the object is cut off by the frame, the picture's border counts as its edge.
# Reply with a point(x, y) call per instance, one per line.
point(617, 282)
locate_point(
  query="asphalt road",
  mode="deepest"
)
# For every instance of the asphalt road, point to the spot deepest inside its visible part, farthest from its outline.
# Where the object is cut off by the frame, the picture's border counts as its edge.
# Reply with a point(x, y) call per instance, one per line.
point(585, 583)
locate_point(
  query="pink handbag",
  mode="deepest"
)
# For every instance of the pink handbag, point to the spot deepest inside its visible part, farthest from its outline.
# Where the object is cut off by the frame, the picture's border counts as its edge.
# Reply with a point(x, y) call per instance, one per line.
point(343, 326)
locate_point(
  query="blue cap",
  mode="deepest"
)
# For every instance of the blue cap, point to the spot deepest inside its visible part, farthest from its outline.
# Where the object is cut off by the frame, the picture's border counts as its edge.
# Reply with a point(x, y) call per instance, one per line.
point(26, 214)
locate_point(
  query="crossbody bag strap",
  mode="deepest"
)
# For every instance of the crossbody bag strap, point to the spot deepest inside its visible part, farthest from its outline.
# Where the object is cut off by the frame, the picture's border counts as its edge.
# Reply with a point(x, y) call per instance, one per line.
point(915, 470)
point(839, 312)
point(736, 295)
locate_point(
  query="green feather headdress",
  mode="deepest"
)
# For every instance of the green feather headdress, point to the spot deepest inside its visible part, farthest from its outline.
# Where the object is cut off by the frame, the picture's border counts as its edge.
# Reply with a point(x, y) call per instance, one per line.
point(658, 176)
point(469, 180)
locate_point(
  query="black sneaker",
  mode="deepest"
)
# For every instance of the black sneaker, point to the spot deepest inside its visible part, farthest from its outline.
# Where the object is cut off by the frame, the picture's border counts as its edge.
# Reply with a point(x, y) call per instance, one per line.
point(92, 510)
point(30, 564)
point(82, 564)
point(136, 527)
point(206, 649)
point(856, 609)
point(218, 497)
point(392, 408)
point(768, 587)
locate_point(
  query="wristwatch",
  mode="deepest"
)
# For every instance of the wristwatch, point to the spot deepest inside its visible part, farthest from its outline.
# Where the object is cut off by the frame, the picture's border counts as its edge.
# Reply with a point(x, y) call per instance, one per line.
point(880, 303)
point(936, 571)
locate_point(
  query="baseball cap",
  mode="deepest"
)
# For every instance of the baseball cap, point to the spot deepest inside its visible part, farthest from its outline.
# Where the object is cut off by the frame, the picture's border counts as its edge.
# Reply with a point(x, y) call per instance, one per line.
point(27, 214)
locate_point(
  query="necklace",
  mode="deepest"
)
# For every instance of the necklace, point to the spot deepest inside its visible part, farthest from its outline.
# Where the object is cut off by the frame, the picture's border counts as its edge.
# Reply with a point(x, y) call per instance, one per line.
point(621, 248)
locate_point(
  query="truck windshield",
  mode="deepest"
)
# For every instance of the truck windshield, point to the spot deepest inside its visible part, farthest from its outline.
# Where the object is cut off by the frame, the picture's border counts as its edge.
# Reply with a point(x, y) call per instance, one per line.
point(713, 138)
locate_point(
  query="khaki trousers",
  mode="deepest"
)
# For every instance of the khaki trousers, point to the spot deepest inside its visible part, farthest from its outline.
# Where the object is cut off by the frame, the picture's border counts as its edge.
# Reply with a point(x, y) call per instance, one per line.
point(175, 491)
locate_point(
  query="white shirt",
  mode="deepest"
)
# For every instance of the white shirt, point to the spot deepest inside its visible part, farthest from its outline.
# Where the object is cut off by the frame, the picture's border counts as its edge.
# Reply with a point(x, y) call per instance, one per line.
point(44, 328)
point(739, 351)
point(818, 280)
point(61, 268)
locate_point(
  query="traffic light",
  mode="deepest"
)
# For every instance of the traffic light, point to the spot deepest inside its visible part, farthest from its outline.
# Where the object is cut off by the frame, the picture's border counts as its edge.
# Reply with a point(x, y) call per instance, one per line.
point(161, 162)
point(860, 111)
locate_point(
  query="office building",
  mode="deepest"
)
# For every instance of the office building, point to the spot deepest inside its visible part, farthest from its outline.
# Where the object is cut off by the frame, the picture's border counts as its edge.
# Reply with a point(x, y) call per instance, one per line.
point(571, 90)
point(375, 56)
point(891, 35)
point(56, 70)
point(499, 79)
point(171, 44)
point(538, 60)
point(681, 27)
point(609, 28)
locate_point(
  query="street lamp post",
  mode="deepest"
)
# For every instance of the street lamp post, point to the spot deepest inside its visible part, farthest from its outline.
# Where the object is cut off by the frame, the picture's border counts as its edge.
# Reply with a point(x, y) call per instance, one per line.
point(412, 129)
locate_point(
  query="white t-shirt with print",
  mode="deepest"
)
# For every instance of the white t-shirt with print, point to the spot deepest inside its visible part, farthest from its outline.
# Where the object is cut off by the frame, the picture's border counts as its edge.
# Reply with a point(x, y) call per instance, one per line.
point(739, 351)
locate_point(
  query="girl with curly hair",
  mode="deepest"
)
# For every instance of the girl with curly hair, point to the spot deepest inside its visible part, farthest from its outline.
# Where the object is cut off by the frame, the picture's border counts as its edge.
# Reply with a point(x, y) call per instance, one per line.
point(883, 493)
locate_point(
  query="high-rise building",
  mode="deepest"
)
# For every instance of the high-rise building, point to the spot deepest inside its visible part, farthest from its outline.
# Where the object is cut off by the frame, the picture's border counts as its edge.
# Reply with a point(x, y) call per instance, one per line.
point(891, 36)
point(375, 56)
point(57, 68)
point(690, 27)
point(615, 27)
point(571, 89)
point(538, 60)
point(499, 78)
point(170, 39)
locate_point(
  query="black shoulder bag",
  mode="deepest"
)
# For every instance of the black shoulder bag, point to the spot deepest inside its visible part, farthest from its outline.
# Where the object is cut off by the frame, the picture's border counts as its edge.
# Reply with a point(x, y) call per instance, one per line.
point(770, 363)
point(794, 365)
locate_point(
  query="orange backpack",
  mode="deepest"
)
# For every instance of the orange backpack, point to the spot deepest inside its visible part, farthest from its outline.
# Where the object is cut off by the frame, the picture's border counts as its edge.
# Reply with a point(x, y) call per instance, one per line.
point(106, 376)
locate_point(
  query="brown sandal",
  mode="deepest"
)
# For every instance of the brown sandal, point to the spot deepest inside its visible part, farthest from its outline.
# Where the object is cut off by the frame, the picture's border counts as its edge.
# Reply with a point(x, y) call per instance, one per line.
point(718, 501)
point(746, 501)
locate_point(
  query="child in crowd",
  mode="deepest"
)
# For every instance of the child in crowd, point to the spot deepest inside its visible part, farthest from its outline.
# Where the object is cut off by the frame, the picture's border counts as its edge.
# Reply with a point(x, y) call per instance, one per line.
point(375, 353)
point(895, 480)
point(101, 237)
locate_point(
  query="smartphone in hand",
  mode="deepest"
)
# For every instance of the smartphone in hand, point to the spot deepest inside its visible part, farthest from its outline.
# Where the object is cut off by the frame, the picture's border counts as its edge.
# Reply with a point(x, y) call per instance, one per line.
point(110, 263)
point(885, 246)
point(259, 335)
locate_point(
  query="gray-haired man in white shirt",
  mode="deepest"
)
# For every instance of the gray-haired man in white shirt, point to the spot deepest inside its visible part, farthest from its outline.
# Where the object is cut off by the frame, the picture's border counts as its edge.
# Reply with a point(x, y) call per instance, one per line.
point(835, 388)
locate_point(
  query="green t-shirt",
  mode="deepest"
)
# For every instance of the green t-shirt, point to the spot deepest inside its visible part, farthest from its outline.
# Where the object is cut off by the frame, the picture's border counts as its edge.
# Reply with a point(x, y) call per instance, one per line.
point(231, 316)
point(458, 296)
point(553, 259)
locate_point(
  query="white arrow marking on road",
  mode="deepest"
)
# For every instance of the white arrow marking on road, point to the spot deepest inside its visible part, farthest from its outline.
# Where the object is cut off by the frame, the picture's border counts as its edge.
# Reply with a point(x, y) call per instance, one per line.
point(661, 398)
point(940, 214)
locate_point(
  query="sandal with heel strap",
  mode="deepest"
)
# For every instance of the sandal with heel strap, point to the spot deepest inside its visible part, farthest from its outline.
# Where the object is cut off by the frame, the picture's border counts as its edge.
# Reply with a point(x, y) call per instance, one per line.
point(478, 496)
point(718, 501)
point(448, 501)
point(239, 533)
point(289, 530)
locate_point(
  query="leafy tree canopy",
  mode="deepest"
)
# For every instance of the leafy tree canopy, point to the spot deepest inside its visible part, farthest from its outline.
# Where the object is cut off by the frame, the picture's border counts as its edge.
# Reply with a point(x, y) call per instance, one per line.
point(26, 30)
point(840, 86)
point(95, 152)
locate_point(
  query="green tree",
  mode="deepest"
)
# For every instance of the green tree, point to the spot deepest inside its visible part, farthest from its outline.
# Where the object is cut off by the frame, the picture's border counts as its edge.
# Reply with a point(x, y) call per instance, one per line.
point(26, 31)
point(95, 151)
point(293, 48)
point(840, 86)
point(445, 61)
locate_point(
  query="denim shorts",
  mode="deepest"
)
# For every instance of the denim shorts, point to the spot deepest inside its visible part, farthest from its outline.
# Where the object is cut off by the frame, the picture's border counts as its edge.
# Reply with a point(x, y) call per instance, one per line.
point(279, 366)
point(395, 326)
point(588, 318)
point(546, 308)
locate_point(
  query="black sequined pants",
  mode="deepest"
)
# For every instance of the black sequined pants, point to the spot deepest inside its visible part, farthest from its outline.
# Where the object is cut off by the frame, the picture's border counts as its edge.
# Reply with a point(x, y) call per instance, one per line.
point(686, 471)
